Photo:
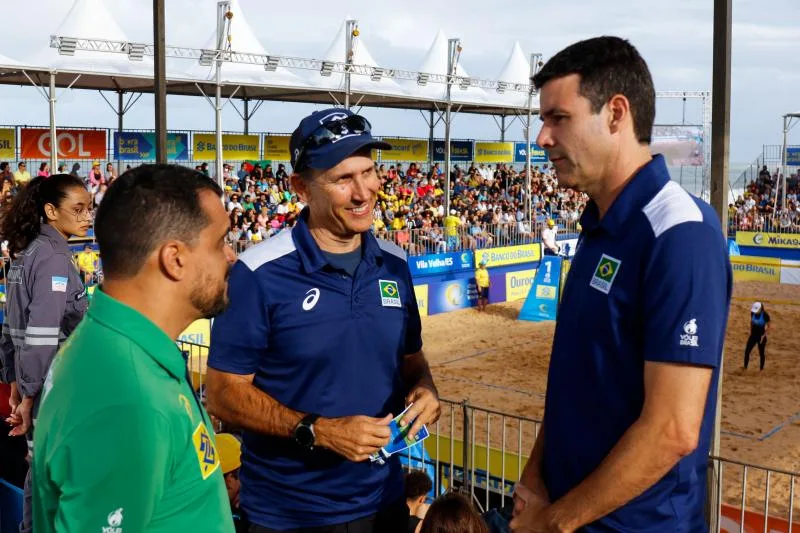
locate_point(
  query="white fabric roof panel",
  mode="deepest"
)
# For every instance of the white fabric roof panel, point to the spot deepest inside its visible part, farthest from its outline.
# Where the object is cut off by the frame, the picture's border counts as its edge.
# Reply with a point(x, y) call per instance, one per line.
point(243, 39)
point(435, 62)
point(359, 83)
point(90, 18)
point(516, 71)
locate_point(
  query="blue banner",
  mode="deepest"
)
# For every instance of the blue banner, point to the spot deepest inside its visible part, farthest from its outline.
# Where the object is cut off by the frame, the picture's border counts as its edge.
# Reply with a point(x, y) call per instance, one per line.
point(141, 146)
point(459, 150)
point(451, 295)
point(793, 156)
point(538, 154)
point(427, 265)
point(542, 301)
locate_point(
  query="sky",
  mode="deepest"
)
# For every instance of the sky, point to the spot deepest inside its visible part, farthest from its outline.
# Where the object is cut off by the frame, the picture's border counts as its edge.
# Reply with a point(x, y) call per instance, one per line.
point(674, 37)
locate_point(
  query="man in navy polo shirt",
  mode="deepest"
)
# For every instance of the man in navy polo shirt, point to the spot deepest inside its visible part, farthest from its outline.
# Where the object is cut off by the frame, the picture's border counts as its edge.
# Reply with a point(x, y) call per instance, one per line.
point(321, 347)
point(632, 385)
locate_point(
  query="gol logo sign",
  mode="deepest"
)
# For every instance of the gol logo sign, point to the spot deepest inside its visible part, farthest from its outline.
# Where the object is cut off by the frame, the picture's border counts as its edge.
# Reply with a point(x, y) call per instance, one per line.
point(70, 144)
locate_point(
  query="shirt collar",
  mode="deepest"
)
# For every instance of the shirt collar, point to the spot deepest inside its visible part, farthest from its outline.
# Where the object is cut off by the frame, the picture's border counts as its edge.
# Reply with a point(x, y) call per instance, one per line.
point(52, 233)
point(133, 325)
point(644, 185)
point(311, 255)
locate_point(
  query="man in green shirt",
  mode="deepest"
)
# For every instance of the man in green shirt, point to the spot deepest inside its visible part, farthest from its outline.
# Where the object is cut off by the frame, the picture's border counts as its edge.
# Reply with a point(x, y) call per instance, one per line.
point(123, 444)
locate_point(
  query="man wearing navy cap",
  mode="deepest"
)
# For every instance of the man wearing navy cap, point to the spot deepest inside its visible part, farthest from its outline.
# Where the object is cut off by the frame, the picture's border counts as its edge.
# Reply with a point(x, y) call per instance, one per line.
point(321, 347)
point(631, 390)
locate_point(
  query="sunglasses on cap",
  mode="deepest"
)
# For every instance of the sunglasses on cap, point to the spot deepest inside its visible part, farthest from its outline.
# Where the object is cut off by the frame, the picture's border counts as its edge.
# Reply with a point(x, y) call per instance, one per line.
point(331, 132)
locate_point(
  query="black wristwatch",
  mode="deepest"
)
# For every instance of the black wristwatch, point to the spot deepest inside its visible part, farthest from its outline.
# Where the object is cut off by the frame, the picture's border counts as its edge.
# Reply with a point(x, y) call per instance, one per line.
point(304, 434)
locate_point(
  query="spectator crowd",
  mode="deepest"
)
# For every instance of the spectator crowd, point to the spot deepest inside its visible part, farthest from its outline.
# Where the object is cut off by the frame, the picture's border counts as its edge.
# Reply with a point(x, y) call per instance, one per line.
point(760, 206)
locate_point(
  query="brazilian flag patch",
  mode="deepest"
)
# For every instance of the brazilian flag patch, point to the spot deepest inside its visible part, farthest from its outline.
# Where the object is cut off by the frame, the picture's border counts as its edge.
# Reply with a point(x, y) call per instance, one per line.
point(390, 294)
point(605, 273)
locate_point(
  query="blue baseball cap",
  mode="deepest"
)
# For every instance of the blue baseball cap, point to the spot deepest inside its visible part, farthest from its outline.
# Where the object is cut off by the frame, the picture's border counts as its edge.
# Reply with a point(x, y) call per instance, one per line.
point(326, 137)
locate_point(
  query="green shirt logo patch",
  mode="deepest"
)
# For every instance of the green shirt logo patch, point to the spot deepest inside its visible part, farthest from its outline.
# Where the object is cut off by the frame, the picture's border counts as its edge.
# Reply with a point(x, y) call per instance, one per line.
point(390, 294)
point(604, 274)
point(206, 452)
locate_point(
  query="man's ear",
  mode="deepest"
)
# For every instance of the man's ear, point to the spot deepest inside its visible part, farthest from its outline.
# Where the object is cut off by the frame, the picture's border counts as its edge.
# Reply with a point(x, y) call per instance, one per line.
point(619, 112)
point(173, 259)
point(300, 186)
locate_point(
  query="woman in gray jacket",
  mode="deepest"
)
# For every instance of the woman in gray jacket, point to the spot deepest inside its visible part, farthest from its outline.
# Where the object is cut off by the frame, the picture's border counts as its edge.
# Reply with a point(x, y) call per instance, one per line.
point(45, 296)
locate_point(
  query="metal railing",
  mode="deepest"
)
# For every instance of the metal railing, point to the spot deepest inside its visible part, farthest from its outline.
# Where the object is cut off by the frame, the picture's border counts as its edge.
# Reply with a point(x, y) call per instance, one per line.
point(482, 453)
point(434, 240)
point(769, 223)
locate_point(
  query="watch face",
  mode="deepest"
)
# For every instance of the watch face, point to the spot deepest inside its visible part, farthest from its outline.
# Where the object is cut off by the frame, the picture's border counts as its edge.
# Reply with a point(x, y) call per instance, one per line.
point(304, 436)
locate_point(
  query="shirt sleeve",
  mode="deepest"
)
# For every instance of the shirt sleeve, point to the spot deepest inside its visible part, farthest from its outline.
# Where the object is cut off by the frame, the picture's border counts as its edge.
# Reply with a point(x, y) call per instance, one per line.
point(687, 289)
point(46, 311)
point(240, 335)
point(7, 371)
point(413, 341)
point(113, 464)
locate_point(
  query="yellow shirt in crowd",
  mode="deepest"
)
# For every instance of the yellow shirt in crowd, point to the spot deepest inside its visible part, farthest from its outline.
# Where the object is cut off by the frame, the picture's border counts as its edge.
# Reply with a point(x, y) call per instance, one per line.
point(86, 261)
point(451, 223)
point(482, 277)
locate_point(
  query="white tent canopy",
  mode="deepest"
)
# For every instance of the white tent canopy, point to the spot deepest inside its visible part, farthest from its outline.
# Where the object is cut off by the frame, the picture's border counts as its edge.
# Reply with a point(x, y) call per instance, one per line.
point(100, 63)
point(517, 70)
point(435, 62)
point(8, 62)
point(91, 18)
point(361, 56)
point(243, 39)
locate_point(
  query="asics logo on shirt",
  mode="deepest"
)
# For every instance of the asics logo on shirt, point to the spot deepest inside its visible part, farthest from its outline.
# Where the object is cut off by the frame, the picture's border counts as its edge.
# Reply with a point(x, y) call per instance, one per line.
point(311, 300)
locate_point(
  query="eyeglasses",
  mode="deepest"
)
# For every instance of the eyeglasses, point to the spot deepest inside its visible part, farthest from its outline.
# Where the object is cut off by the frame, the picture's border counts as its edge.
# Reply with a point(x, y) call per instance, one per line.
point(79, 214)
point(331, 132)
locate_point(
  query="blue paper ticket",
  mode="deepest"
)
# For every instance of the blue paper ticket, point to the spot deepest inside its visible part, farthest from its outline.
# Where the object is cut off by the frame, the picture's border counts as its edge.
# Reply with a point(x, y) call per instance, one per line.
point(400, 440)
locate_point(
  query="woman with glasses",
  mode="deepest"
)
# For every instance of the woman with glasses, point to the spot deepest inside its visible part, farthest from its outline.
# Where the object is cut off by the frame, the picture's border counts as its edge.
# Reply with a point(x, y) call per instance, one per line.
point(46, 298)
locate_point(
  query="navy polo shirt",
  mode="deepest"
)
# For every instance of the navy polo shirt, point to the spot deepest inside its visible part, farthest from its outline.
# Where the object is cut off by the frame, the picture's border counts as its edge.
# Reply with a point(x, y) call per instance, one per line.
point(650, 281)
point(318, 341)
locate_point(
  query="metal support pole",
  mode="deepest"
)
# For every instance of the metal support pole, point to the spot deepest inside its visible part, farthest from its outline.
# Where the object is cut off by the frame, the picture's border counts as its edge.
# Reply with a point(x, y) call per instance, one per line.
point(453, 50)
point(222, 9)
point(53, 136)
point(431, 152)
point(503, 128)
point(784, 168)
point(467, 445)
point(720, 145)
point(246, 116)
point(528, 195)
point(160, 81)
point(351, 29)
point(120, 117)
point(534, 68)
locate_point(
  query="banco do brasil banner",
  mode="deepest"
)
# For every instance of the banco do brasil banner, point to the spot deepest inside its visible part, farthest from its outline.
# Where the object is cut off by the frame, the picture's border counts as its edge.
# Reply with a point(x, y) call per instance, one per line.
point(408, 150)
point(459, 150)
point(234, 147)
point(7, 143)
point(141, 146)
point(508, 255)
point(768, 240)
point(276, 147)
point(494, 152)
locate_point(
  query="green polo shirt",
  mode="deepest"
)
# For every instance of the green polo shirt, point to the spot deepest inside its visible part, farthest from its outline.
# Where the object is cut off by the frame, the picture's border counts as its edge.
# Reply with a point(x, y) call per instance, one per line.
point(122, 445)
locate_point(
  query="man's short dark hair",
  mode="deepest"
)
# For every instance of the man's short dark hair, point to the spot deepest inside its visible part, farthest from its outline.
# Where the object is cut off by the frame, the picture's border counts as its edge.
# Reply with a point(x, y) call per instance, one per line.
point(607, 66)
point(417, 484)
point(144, 207)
